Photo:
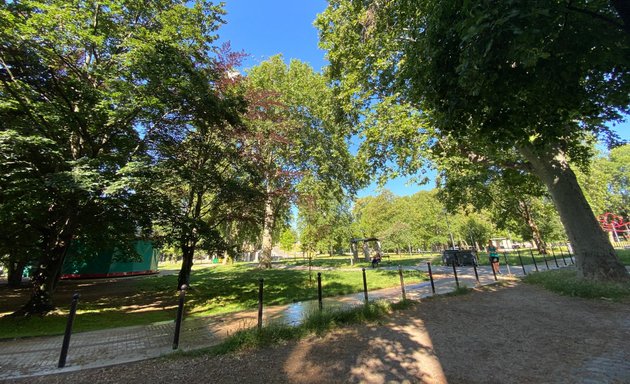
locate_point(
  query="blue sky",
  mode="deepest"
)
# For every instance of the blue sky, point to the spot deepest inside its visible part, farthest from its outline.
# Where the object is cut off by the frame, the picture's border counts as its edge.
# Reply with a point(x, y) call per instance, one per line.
point(266, 28)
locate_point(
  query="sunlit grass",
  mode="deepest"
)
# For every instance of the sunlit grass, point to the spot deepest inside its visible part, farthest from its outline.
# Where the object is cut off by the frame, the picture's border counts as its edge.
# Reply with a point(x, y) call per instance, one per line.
point(214, 290)
point(566, 282)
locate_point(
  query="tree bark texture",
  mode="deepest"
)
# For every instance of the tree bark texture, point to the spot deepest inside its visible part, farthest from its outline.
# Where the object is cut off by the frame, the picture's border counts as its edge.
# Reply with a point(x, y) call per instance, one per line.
point(46, 276)
point(533, 227)
point(595, 256)
point(15, 271)
point(267, 239)
point(188, 252)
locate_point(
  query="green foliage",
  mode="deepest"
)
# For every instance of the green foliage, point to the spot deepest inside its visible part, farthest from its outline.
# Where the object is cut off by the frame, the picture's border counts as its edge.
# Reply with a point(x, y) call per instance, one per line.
point(288, 239)
point(507, 84)
point(566, 282)
point(606, 182)
point(84, 86)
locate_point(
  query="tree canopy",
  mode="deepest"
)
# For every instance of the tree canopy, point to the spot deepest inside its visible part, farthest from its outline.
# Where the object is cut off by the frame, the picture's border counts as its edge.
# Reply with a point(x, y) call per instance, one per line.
point(535, 78)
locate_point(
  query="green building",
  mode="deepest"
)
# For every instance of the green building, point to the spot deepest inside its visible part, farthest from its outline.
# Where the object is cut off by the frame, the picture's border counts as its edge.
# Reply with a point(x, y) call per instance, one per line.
point(106, 264)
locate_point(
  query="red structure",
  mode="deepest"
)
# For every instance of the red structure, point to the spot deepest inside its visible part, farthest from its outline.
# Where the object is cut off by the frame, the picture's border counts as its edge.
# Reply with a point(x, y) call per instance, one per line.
point(615, 224)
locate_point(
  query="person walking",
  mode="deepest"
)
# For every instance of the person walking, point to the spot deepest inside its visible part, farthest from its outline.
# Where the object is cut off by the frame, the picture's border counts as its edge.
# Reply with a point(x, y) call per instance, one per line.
point(493, 256)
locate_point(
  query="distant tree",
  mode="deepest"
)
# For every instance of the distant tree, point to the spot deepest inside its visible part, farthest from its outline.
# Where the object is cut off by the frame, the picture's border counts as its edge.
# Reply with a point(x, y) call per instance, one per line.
point(296, 135)
point(288, 239)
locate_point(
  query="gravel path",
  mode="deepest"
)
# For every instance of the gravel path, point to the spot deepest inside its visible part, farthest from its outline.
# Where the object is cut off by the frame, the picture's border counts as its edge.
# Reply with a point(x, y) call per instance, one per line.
point(517, 334)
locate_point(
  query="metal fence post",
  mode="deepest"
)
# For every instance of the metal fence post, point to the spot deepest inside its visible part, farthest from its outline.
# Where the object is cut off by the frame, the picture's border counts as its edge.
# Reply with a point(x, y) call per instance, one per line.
point(431, 277)
point(319, 290)
point(545, 258)
point(66, 337)
point(563, 259)
point(180, 316)
point(554, 257)
point(533, 259)
point(521, 261)
point(365, 291)
point(260, 302)
point(476, 274)
point(455, 273)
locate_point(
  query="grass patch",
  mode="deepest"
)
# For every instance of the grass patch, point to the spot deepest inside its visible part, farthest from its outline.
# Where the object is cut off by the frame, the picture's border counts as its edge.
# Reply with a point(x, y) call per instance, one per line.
point(459, 291)
point(317, 322)
point(214, 290)
point(565, 282)
point(624, 255)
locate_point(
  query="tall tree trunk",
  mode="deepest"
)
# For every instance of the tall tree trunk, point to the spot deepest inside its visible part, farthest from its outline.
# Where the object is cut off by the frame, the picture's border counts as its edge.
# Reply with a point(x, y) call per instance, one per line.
point(267, 240)
point(188, 252)
point(47, 275)
point(595, 256)
point(15, 271)
point(526, 214)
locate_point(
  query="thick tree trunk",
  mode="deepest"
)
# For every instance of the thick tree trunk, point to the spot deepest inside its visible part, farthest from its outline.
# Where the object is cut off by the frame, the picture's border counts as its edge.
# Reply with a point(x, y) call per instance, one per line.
point(45, 279)
point(595, 256)
point(533, 227)
point(267, 240)
point(15, 271)
point(188, 253)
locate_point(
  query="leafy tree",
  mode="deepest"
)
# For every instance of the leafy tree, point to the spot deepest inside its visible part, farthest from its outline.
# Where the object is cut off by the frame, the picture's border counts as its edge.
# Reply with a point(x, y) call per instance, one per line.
point(288, 239)
point(537, 79)
point(82, 83)
point(205, 172)
point(606, 182)
point(293, 117)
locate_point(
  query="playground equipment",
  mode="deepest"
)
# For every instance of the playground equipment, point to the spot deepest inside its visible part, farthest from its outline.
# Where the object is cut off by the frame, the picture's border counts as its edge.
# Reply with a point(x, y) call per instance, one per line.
point(615, 226)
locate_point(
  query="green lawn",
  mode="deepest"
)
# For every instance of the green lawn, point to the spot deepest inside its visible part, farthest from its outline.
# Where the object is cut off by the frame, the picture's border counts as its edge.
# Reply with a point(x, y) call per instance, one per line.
point(214, 290)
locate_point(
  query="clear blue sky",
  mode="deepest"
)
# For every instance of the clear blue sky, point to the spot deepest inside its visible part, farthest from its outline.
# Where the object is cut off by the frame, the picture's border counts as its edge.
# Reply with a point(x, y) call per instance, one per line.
point(266, 28)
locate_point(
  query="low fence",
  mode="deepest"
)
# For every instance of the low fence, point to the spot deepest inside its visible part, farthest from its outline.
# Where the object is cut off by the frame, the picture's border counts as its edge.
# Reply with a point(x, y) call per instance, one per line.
point(449, 279)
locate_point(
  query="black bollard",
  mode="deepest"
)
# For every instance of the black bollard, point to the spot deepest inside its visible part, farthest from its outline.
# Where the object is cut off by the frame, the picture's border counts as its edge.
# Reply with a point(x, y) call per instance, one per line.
point(66, 337)
point(260, 303)
point(431, 277)
point(476, 274)
point(533, 259)
point(554, 258)
point(455, 274)
point(365, 293)
point(180, 316)
point(402, 283)
point(507, 264)
point(521, 261)
point(319, 290)
point(545, 258)
point(563, 259)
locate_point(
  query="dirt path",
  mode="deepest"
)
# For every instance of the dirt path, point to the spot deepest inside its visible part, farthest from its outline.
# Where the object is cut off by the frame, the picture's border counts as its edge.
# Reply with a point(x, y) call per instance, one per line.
point(519, 334)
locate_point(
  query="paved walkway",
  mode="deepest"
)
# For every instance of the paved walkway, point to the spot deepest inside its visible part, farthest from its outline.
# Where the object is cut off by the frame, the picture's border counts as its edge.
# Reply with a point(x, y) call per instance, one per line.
point(40, 355)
